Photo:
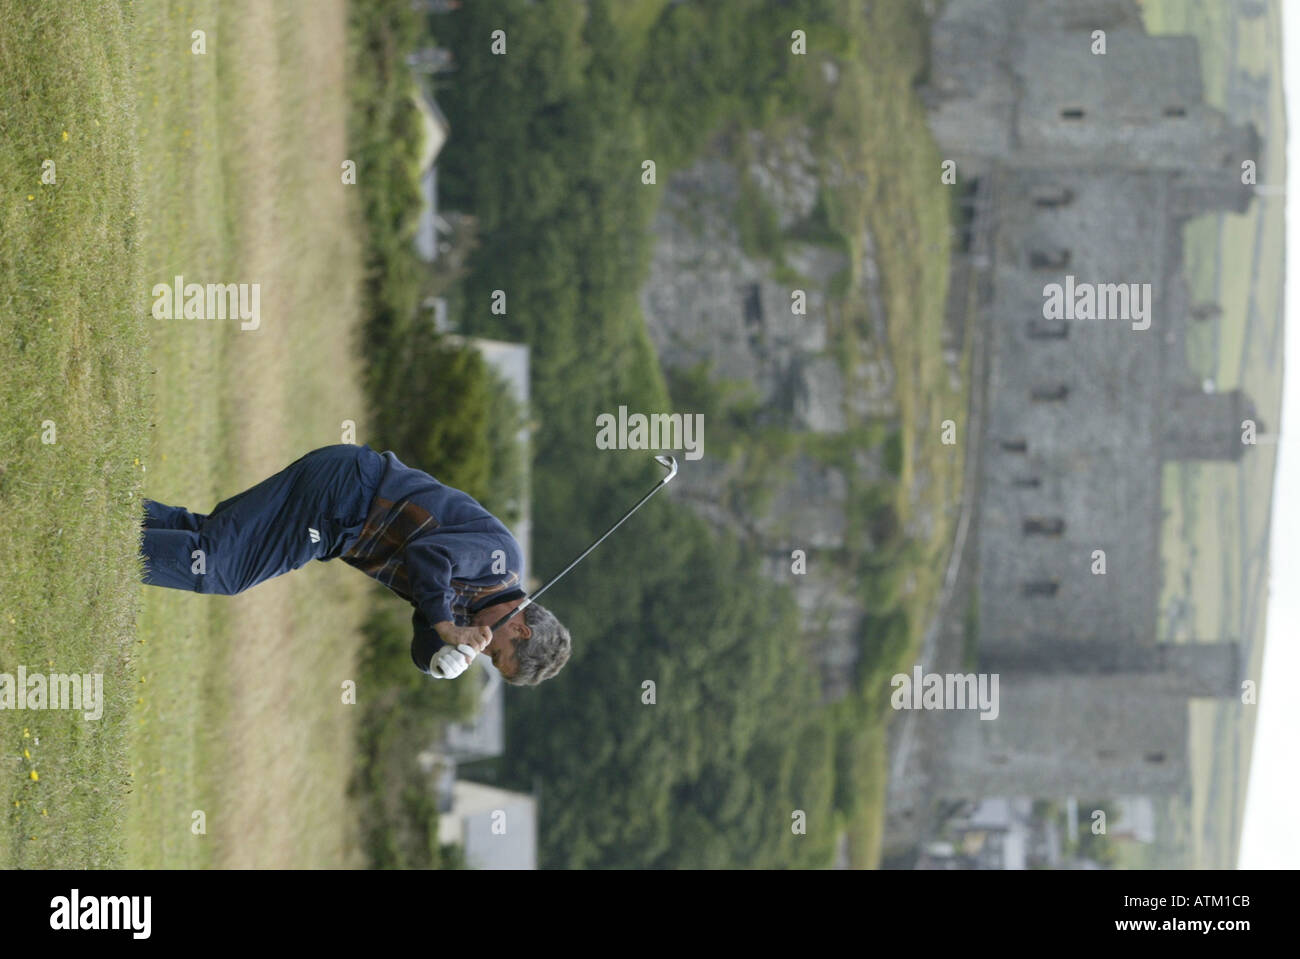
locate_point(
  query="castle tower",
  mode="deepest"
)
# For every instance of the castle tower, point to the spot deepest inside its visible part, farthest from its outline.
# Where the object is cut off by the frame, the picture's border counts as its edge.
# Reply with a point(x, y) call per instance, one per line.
point(1018, 83)
point(1090, 735)
point(1085, 717)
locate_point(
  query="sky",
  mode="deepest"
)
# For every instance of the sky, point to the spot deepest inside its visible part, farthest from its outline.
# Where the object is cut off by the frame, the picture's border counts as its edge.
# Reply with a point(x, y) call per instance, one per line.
point(1270, 836)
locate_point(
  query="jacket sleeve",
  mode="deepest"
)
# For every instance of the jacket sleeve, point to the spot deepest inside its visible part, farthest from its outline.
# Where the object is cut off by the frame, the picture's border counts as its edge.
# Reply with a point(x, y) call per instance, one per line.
point(425, 641)
point(429, 568)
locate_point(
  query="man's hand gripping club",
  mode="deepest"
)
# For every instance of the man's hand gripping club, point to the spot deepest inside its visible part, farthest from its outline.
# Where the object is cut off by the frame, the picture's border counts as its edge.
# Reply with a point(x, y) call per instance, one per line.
point(462, 644)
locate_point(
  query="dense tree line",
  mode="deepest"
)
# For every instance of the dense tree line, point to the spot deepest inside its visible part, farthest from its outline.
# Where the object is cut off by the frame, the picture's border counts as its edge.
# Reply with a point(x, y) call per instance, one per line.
point(547, 151)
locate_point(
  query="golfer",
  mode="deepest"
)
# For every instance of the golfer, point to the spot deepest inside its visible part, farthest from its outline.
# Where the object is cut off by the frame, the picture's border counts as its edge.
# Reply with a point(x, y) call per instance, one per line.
point(433, 545)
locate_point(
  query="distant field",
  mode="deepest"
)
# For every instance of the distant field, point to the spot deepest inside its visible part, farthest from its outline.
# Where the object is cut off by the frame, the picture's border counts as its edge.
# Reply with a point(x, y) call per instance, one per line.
point(221, 167)
point(1218, 521)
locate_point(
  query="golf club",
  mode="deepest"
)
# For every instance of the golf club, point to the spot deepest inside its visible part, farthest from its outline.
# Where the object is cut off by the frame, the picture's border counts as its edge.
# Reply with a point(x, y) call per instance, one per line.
point(667, 462)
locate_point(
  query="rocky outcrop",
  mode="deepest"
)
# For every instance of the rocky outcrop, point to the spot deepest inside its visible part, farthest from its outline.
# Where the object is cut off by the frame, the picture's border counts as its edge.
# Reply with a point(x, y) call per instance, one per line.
point(708, 299)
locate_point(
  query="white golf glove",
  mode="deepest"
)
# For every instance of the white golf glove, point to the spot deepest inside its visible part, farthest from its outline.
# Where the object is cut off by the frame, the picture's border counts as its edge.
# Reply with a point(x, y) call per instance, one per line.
point(449, 662)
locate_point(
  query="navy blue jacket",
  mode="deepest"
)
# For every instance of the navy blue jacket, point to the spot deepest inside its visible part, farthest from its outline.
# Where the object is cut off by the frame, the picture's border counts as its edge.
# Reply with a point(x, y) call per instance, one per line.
point(437, 548)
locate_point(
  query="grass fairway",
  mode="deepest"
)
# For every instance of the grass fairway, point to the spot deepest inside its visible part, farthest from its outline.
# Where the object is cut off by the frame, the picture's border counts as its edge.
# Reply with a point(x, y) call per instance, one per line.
point(71, 346)
point(221, 167)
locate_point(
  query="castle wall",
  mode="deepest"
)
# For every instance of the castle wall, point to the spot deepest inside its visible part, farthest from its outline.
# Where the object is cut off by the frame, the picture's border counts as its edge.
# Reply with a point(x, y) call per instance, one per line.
point(1087, 736)
point(1017, 83)
point(1095, 161)
point(1093, 455)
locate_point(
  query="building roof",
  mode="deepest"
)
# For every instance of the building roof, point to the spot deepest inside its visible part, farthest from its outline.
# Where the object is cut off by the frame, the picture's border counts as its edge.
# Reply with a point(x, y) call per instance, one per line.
point(497, 827)
point(426, 228)
point(436, 127)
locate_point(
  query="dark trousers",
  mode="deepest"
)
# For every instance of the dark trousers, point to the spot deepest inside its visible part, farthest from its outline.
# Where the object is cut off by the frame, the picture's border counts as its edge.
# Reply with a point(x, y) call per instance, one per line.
point(314, 508)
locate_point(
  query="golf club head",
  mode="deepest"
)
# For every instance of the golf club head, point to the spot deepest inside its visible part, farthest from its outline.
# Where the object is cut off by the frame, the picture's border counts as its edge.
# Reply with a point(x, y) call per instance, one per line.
point(670, 464)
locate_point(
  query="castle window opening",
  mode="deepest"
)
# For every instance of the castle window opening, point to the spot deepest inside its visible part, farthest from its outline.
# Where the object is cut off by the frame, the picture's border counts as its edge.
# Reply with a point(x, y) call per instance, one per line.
point(1026, 482)
point(1072, 113)
point(1155, 757)
point(1050, 394)
point(1175, 112)
point(1049, 329)
point(1037, 526)
point(1049, 259)
point(1014, 446)
point(1040, 587)
point(1053, 196)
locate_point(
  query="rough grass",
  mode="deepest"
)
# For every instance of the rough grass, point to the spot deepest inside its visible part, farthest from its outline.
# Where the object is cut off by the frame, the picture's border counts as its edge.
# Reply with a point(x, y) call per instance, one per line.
point(222, 167)
point(71, 371)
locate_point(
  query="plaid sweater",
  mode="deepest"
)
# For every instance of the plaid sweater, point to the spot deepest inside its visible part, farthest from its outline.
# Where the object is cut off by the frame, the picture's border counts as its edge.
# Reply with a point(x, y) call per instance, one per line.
point(435, 546)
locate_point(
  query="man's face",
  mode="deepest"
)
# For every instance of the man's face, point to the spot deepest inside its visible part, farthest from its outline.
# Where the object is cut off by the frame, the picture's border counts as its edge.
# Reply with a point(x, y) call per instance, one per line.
point(503, 650)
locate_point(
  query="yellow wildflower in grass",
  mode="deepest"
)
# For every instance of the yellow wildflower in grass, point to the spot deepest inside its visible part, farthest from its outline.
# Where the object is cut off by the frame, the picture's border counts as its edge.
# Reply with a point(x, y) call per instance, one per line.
point(65, 136)
point(26, 754)
point(35, 778)
point(31, 196)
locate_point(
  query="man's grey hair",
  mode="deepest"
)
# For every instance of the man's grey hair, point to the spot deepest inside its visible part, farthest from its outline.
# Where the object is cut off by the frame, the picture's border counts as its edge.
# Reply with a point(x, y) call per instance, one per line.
point(544, 653)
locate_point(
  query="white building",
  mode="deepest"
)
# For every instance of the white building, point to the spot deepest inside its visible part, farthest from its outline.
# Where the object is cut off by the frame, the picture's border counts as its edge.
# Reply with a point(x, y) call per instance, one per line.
point(496, 827)
point(436, 132)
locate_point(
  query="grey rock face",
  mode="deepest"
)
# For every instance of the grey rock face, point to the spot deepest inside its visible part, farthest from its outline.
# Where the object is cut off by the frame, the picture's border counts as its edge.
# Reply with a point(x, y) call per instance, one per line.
point(709, 300)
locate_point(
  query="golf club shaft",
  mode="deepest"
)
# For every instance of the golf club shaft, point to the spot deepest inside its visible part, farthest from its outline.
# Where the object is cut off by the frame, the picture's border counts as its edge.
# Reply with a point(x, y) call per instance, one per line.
point(527, 602)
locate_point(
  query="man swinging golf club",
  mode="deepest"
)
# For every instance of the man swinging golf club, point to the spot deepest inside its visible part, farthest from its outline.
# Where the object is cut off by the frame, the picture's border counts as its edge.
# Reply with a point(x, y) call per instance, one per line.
point(433, 545)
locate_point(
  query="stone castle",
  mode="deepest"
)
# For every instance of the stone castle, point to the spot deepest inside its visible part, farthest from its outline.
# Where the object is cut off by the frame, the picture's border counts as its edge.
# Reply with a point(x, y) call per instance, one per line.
point(1075, 163)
